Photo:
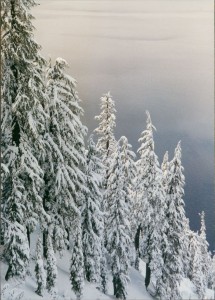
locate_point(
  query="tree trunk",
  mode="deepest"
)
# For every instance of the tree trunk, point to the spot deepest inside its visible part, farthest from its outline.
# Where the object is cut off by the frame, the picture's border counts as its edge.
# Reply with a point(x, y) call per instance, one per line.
point(28, 236)
point(137, 238)
point(148, 274)
point(137, 246)
point(68, 247)
point(45, 231)
point(45, 235)
point(15, 129)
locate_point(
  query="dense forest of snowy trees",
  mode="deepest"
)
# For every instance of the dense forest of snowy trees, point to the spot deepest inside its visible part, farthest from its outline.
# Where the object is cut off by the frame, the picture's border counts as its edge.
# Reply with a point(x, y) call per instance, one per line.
point(106, 205)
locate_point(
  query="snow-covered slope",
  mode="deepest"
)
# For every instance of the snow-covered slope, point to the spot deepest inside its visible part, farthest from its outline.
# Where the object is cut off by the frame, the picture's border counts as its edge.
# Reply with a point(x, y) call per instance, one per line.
point(136, 288)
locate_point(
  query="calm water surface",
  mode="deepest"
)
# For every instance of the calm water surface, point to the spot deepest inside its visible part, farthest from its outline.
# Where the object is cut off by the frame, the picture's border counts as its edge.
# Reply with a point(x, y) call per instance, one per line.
point(151, 54)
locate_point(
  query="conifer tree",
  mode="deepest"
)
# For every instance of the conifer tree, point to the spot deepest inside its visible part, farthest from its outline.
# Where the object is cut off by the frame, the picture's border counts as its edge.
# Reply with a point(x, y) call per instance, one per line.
point(103, 269)
point(66, 161)
point(17, 250)
point(118, 237)
point(106, 141)
point(39, 269)
point(151, 205)
point(92, 216)
point(205, 255)
point(105, 130)
point(172, 271)
point(129, 171)
point(77, 263)
point(186, 253)
point(211, 279)
point(165, 170)
point(192, 249)
point(199, 271)
point(23, 126)
point(197, 274)
point(52, 274)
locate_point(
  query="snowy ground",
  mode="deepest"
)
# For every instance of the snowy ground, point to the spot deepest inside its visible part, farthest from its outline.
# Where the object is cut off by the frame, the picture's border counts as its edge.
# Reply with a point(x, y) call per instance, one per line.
point(136, 288)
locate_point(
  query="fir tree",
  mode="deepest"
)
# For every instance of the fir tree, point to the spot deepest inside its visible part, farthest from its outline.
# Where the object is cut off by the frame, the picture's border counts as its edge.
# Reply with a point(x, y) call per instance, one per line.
point(92, 216)
point(205, 255)
point(23, 127)
point(211, 278)
point(52, 273)
point(106, 142)
point(118, 237)
point(39, 269)
point(129, 171)
point(165, 170)
point(107, 123)
point(151, 205)
point(197, 275)
point(172, 271)
point(103, 269)
point(77, 263)
point(166, 176)
point(199, 260)
point(17, 250)
point(66, 159)
point(186, 254)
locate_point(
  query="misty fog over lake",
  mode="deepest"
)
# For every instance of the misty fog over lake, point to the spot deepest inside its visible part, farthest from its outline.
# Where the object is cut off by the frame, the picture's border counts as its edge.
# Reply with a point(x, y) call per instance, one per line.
point(155, 55)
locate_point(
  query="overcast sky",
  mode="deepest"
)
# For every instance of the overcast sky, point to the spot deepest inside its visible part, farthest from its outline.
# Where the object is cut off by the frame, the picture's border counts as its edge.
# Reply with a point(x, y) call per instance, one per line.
point(151, 54)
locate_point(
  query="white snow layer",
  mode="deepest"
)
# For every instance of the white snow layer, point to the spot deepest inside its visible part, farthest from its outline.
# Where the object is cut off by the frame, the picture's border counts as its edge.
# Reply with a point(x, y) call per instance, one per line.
point(136, 287)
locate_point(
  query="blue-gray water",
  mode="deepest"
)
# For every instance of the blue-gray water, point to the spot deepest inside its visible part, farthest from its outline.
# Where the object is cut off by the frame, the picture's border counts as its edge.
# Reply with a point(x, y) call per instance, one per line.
point(151, 54)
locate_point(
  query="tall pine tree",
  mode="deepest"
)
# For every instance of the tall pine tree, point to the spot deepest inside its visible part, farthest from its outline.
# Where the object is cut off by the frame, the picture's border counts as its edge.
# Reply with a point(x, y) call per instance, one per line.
point(77, 263)
point(151, 205)
point(92, 216)
point(172, 271)
point(23, 127)
point(107, 123)
point(106, 141)
point(51, 265)
point(129, 171)
point(118, 237)
point(66, 159)
point(39, 269)
point(200, 260)
point(205, 255)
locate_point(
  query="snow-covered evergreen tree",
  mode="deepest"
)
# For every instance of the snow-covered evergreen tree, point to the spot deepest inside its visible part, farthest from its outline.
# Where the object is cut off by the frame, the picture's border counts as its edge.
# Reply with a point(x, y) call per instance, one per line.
point(39, 269)
point(172, 271)
point(77, 263)
point(150, 204)
point(205, 255)
point(211, 278)
point(106, 141)
point(118, 237)
point(200, 260)
point(23, 126)
point(197, 276)
point(165, 170)
point(129, 168)
point(65, 178)
point(103, 269)
point(51, 265)
point(16, 250)
point(186, 254)
point(105, 130)
point(92, 216)
point(129, 171)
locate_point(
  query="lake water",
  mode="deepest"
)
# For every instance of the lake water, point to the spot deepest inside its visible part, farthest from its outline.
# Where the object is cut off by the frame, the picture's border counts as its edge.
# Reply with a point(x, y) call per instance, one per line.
point(155, 55)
